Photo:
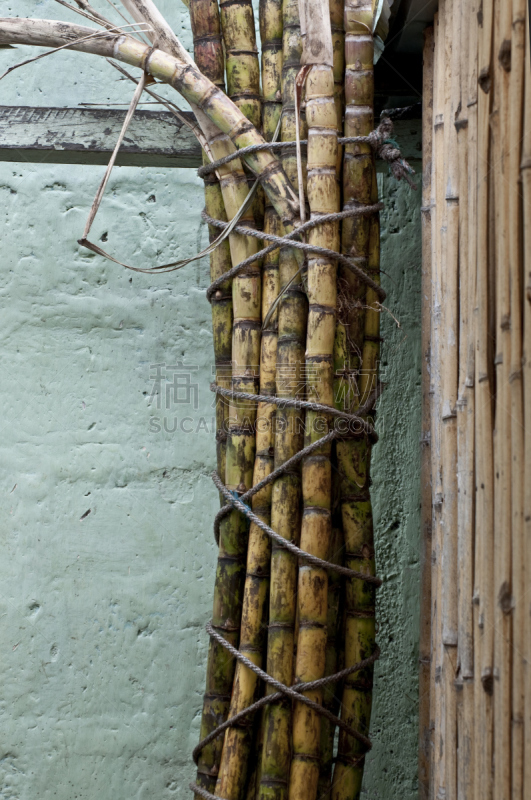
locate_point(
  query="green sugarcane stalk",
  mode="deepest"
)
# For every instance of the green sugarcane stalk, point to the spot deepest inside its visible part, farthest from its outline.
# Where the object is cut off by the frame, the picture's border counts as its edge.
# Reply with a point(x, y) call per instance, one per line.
point(285, 512)
point(316, 529)
point(361, 240)
point(241, 54)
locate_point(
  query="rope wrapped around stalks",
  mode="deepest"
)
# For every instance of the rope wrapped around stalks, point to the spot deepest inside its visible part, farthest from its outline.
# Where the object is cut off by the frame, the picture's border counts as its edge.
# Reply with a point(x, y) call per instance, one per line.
point(346, 426)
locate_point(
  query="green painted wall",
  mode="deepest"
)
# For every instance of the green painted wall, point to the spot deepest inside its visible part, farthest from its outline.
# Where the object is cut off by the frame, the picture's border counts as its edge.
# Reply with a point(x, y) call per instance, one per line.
point(102, 614)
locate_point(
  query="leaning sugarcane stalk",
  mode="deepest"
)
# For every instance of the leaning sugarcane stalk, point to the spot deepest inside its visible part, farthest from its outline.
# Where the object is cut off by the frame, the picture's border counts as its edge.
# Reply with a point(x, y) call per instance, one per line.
point(285, 515)
point(208, 55)
point(360, 238)
point(228, 602)
point(316, 530)
point(178, 73)
point(232, 766)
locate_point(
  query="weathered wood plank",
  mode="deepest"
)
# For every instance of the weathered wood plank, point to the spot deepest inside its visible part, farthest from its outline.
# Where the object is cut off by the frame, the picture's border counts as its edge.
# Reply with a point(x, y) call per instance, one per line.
point(88, 136)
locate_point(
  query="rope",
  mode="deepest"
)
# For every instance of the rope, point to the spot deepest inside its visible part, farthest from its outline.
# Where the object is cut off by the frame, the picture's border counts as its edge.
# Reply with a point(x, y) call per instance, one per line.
point(384, 147)
point(380, 140)
point(337, 433)
point(295, 692)
point(282, 241)
point(311, 559)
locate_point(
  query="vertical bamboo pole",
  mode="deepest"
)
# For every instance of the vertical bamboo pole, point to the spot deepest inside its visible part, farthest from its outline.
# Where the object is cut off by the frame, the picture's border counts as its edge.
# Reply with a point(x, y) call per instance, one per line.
point(484, 464)
point(468, 248)
point(526, 181)
point(465, 422)
point(502, 433)
point(425, 468)
point(514, 144)
point(316, 530)
point(438, 716)
point(449, 364)
point(285, 513)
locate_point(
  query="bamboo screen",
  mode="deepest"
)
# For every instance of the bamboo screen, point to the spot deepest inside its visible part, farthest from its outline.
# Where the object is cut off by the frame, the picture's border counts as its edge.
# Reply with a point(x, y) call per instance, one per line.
point(476, 686)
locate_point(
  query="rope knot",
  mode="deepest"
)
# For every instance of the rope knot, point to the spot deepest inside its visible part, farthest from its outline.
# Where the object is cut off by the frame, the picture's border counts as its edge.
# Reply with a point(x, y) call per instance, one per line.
point(387, 149)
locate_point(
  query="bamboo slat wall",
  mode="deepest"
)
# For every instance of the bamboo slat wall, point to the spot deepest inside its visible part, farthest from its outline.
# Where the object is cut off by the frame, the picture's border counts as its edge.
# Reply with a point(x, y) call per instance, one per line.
point(477, 402)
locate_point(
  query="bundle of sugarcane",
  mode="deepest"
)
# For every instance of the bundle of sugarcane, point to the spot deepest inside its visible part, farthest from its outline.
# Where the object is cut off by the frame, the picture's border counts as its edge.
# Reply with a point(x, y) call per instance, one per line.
point(480, 693)
point(277, 334)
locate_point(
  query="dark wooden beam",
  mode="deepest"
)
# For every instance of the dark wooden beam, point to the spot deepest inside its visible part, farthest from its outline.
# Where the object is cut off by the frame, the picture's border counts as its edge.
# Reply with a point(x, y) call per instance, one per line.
point(88, 136)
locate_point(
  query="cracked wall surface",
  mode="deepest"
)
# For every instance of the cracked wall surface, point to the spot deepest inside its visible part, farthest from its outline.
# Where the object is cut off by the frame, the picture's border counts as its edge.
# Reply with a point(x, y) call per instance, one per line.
point(108, 555)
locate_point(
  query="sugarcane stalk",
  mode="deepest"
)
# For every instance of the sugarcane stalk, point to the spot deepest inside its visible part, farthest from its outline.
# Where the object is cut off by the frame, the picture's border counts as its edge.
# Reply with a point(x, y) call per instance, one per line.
point(243, 72)
point(208, 55)
point(472, 103)
point(316, 529)
point(239, 460)
point(285, 514)
point(181, 75)
point(241, 55)
point(360, 238)
point(271, 37)
point(208, 47)
point(238, 740)
point(331, 697)
point(239, 38)
point(337, 13)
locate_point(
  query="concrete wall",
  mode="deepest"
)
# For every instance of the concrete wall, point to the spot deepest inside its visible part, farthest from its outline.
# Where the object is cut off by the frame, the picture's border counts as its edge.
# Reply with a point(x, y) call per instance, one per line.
point(107, 551)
